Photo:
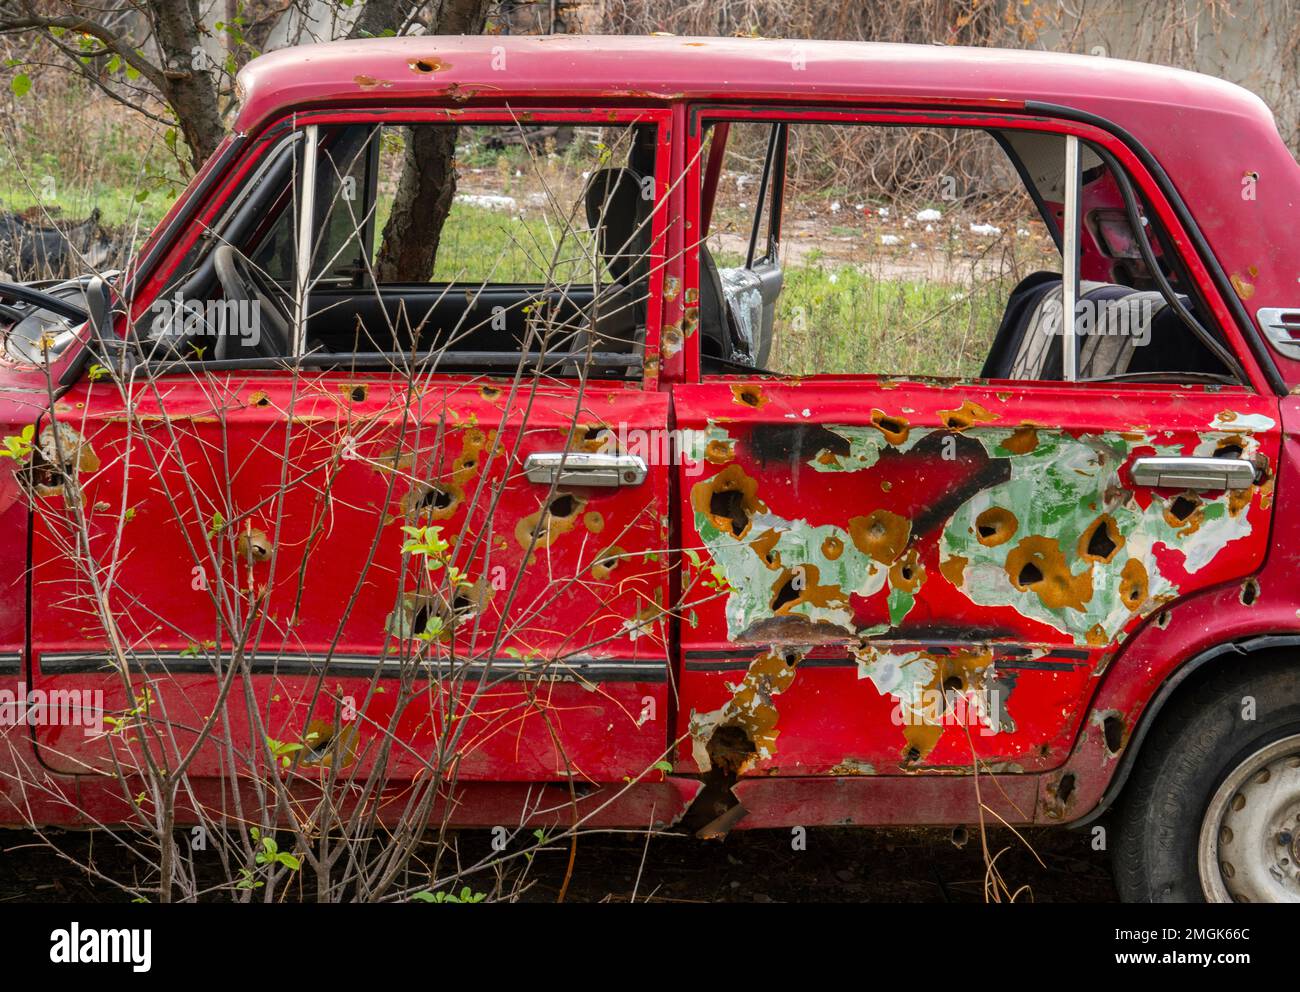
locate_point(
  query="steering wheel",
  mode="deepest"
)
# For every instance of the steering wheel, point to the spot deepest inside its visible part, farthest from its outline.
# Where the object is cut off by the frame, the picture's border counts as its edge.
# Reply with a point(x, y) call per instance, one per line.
point(243, 281)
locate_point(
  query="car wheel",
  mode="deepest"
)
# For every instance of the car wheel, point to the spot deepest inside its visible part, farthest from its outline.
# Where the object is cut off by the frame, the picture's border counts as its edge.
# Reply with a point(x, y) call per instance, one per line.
point(1212, 811)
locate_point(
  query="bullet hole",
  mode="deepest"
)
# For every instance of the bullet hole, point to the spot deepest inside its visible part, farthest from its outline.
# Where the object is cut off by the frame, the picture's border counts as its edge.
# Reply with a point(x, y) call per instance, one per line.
point(953, 683)
point(965, 416)
point(786, 594)
point(731, 748)
point(253, 545)
point(995, 526)
point(420, 618)
point(427, 65)
point(593, 433)
point(1101, 540)
point(895, 429)
point(562, 505)
point(1164, 619)
point(462, 603)
point(730, 505)
point(748, 394)
point(1134, 584)
point(607, 561)
point(912, 755)
point(1112, 731)
point(791, 659)
point(1065, 788)
point(489, 392)
point(1182, 507)
point(1029, 574)
point(1249, 592)
point(718, 452)
point(881, 534)
point(356, 393)
point(1229, 449)
point(960, 837)
point(436, 499)
point(260, 398)
point(906, 573)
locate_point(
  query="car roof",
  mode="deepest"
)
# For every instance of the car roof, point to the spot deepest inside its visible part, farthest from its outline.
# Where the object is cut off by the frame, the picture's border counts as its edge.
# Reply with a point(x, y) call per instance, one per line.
point(477, 68)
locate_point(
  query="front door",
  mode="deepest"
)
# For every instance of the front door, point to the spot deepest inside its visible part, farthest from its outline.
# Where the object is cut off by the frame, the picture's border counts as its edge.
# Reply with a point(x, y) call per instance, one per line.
point(362, 560)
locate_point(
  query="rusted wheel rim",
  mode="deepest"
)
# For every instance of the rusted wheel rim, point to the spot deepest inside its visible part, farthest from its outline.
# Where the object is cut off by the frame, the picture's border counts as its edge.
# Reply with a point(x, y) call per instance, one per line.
point(1249, 849)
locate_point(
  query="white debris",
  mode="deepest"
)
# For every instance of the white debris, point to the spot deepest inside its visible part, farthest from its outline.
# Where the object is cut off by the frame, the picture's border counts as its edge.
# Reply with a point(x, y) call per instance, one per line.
point(489, 201)
point(929, 228)
point(835, 206)
point(890, 239)
point(883, 212)
point(928, 214)
point(985, 229)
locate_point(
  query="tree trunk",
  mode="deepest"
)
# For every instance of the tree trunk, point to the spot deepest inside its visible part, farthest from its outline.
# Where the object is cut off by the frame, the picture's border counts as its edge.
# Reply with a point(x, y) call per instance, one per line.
point(427, 185)
point(189, 86)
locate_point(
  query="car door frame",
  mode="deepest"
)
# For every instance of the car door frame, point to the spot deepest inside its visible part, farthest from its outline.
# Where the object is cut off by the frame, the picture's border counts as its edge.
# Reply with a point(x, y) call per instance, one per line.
point(709, 663)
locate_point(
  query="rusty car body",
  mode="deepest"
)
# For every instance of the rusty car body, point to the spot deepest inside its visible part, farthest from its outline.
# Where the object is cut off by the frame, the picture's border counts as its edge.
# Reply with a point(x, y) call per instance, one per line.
point(1071, 553)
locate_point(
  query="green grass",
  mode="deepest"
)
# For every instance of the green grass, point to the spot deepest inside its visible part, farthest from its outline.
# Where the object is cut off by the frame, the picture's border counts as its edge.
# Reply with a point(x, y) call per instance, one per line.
point(844, 320)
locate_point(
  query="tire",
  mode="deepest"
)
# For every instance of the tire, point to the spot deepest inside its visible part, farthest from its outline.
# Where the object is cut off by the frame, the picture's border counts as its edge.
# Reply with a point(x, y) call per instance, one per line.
point(1214, 790)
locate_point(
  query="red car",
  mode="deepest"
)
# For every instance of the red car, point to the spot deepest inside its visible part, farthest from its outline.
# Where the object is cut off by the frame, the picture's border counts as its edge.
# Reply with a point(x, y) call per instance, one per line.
point(614, 517)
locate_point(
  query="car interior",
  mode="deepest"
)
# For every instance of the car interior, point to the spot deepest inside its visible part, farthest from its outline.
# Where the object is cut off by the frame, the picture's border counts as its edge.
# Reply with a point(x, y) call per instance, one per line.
point(1130, 277)
point(559, 322)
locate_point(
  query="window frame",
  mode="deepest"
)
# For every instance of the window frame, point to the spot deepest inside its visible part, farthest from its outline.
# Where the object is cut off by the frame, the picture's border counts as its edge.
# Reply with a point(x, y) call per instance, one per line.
point(259, 151)
point(701, 115)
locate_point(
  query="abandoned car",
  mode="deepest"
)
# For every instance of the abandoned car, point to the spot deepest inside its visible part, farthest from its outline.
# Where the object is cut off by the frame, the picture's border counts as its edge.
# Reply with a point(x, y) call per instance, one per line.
point(561, 526)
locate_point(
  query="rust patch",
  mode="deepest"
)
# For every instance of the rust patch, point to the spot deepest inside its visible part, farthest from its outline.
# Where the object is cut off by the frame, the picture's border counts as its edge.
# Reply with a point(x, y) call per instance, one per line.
point(594, 521)
point(370, 82)
point(801, 584)
point(607, 562)
point(881, 534)
point(1038, 565)
point(719, 452)
point(743, 731)
point(729, 499)
point(489, 393)
point(253, 546)
point(907, 573)
point(324, 744)
point(953, 569)
point(966, 415)
point(259, 398)
point(765, 547)
point(542, 528)
point(995, 526)
point(832, 548)
point(895, 429)
point(1134, 584)
point(1023, 440)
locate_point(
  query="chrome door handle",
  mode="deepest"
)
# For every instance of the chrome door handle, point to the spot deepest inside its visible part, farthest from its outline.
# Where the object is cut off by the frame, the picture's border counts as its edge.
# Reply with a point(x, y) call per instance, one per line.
point(584, 468)
point(1193, 473)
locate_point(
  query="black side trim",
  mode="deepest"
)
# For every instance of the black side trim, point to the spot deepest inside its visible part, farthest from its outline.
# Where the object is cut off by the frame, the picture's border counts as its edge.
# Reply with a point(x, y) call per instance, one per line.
point(1221, 281)
point(11, 664)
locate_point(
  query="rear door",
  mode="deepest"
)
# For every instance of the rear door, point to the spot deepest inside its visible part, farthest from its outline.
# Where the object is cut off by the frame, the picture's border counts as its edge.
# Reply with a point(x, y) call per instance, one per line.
point(896, 575)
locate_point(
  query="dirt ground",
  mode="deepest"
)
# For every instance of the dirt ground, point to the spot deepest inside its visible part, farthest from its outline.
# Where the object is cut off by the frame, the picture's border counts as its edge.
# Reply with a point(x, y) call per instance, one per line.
point(837, 865)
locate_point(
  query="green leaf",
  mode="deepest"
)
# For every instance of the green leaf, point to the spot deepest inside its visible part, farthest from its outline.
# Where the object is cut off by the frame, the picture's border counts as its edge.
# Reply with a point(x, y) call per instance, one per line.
point(21, 84)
